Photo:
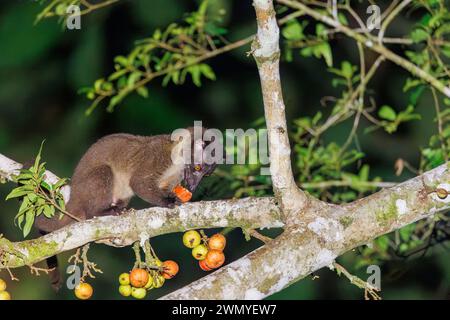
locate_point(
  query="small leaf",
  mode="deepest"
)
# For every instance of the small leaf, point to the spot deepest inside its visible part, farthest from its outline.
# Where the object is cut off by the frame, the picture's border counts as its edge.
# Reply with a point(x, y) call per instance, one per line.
point(419, 35)
point(207, 71)
point(293, 31)
point(142, 91)
point(387, 113)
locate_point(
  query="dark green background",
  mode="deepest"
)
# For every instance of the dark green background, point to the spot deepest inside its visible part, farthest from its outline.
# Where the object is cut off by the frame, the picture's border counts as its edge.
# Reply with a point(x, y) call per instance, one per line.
point(43, 66)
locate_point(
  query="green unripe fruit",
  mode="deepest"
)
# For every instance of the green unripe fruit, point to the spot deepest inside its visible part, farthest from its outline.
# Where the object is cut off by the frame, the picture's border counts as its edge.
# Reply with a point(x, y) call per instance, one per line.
point(158, 281)
point(125, 290)
point(199, 252)
point(191, 239)
point(138, 293)
point(124, 279)
point(149, 284)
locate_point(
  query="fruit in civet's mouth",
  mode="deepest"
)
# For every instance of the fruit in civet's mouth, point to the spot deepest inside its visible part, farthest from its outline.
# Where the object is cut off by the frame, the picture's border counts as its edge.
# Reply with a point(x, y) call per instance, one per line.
point(83, 291)
point(191, 239)
point(125, 290)
point(138, 277)
point(170, 269)
point(217, 242)
point(182, 193)
point(2, 285)
point(199, 252)
point(214, 259)
point(124, 279)
point(203, 265)
point(138, 293)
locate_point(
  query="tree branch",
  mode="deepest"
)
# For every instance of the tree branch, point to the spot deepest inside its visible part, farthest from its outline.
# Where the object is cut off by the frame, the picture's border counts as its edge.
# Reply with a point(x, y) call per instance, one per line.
point(313, 243)
point(266, 52)
point(140, 225)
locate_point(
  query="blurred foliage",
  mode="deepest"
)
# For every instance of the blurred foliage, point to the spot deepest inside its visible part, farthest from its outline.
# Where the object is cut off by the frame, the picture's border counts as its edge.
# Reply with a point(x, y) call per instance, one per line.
point(342, 150)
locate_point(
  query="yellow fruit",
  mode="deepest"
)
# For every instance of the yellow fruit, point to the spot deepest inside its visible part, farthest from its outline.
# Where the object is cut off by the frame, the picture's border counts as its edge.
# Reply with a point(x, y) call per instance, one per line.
point(158, 281)
point(125, 290)
point(4, 295)
point(200, 252)
point(2, 285)
point(149, 284)
point(124, 279)
point(83, 291)
point(138, 293)
point(191, 239)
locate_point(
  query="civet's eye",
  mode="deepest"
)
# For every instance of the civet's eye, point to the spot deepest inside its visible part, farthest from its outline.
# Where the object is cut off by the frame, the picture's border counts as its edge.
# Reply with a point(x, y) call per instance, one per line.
point(197, 168)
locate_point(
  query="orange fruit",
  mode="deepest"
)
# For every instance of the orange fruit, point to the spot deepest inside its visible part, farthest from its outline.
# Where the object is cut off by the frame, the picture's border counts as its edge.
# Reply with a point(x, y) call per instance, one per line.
point(214, 258)
point(83, 291)
point(170, 269)
point(217, 242)
point(203, 265)
point(182, 193)
point(138, 277)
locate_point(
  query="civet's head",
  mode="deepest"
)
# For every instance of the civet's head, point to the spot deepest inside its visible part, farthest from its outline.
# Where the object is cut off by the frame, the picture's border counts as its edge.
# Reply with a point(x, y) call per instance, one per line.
point(197, 164)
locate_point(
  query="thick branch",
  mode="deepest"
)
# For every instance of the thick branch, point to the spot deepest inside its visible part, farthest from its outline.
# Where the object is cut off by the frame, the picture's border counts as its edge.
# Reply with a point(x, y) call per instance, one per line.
point(266, 52)
point(311, 244)
point(248, 213)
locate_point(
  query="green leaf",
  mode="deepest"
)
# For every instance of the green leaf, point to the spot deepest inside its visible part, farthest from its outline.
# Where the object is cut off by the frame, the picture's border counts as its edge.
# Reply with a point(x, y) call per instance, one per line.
point(207, 71)
point(49, 211)
point(419, 35)
point(38, 157)
point(133, 78)
point(386, 112)
point(293, 31)
point(19, 192)
point(195, 74)
point(29, 220)
point(123, 61)
point(347, 69)
point(142, 91)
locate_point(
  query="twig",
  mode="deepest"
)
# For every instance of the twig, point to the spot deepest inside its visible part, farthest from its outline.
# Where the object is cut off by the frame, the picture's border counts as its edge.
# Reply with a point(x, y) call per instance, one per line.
point(368, 288)
point(391, 17)
point(36, 270)
point(11, 275)
point(259, 236)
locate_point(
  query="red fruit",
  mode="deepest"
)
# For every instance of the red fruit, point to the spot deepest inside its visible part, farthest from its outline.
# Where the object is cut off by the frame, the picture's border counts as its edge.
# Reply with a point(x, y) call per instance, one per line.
point(170, 269)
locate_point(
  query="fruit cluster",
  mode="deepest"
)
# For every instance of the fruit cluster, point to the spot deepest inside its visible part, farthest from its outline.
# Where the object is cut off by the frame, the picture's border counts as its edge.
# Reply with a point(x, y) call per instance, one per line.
point(209, 251)
point(140, 280)
point(4, 295)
